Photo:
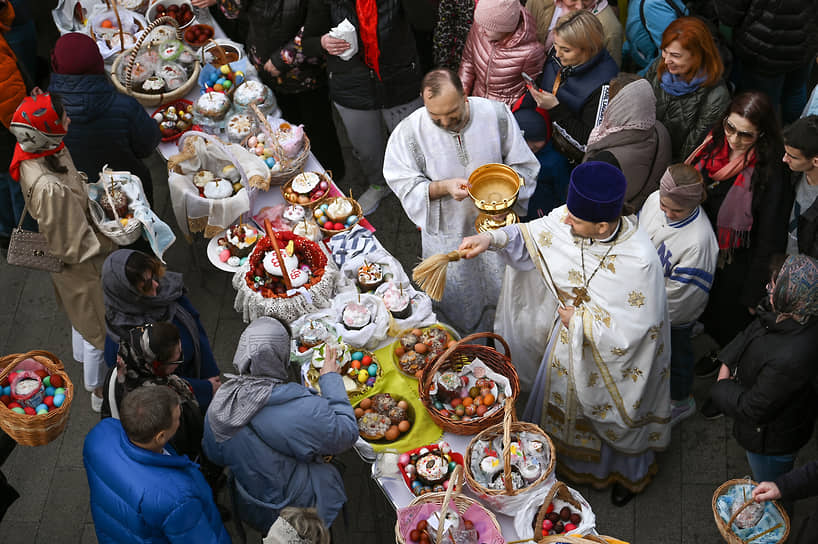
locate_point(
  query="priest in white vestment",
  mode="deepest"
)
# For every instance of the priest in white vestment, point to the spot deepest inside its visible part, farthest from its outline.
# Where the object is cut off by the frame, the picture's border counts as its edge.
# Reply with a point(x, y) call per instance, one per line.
point(429, 158)
point(590, 285)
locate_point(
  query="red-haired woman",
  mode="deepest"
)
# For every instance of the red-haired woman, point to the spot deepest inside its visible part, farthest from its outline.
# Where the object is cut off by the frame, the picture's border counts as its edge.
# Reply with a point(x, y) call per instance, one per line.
point(687, 80)
point(747, 203)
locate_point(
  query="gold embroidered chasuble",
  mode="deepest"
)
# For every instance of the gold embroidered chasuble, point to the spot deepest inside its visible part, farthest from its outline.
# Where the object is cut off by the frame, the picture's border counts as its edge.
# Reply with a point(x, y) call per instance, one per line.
point(606, 377)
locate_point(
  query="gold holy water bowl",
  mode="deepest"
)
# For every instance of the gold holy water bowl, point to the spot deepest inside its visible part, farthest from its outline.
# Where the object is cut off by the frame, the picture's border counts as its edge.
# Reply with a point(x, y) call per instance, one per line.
point(494, 187)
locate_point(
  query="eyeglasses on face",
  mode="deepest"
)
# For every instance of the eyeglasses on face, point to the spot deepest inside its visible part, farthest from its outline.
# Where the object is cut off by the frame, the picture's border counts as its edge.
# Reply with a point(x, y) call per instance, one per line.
point(731, 130)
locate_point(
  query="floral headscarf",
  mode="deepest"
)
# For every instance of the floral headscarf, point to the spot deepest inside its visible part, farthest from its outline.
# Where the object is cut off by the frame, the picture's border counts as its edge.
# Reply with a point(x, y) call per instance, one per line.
point(796, 289)
point(135, 363)
point(38, 129)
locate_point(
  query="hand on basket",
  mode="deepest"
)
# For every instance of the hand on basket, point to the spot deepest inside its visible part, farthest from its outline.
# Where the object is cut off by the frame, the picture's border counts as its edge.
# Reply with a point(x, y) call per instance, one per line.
point(330, 361)
point(215, 382)
point(724, 372)
point(766, 491)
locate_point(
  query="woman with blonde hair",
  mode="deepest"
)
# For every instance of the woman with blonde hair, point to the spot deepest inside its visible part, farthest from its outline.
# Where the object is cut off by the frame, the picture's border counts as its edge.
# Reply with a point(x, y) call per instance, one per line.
point(574, 81)
point(298, 526)
point(548, 12)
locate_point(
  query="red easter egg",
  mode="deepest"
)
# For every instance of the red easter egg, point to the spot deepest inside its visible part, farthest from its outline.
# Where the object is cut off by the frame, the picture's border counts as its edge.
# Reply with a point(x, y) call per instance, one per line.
point(57, 381)
point(366, 361)
point(569, 527)
point(13, 405)
point(550, 508)
point(41, 373)
point(30, 411)
point(49, 401)
point(5, 399)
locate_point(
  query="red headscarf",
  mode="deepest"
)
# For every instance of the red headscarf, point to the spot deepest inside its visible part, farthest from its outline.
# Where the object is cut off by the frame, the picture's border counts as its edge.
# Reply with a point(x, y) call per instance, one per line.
point(367, 11)
point(38, 129)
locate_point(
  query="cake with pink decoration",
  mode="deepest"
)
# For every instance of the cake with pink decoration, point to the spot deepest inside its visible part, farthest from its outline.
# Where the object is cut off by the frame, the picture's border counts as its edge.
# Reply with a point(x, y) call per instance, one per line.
point(356, 316)
point(293, 214)
point(396, 299)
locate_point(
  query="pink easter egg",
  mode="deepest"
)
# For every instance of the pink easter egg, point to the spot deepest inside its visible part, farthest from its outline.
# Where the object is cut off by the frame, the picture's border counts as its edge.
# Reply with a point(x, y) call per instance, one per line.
point(224, 255)
point(323, 185)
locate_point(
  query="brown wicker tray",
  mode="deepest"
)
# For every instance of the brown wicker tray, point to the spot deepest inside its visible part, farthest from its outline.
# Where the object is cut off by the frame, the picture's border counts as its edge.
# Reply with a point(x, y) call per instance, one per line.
point(725, 528)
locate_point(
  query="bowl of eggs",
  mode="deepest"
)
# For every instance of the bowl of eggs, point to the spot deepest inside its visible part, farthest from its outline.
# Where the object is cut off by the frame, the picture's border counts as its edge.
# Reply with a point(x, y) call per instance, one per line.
point(174, 119)
point(337, 214)
point(384, 418)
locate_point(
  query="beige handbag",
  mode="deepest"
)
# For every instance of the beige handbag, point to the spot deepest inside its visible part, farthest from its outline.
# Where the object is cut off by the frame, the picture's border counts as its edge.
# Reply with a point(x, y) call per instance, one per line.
point(30, 249)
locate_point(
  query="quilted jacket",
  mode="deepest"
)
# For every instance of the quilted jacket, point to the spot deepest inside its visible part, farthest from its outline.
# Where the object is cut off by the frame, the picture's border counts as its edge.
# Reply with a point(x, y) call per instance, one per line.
point(138, 496)
point(689, 117)
point(492, 69)
point(772, 37)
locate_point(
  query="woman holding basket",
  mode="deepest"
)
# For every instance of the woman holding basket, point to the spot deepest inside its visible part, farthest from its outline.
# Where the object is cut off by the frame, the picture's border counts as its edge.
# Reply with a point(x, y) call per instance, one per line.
point(55, 196)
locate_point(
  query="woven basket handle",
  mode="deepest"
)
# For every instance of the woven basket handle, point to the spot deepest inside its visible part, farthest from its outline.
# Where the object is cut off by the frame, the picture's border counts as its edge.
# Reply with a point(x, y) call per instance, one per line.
point(446, 354)
point(119, 22)
point(221, 145)
point(164, 20)
point(10, 361)
point(220, 55)
point(455, 484)
point(739, 511)
point(106, 172)
point(508, 419)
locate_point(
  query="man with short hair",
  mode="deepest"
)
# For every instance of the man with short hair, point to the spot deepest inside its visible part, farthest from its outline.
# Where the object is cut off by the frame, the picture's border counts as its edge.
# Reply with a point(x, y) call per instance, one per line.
point(585, 289)
point(429, 158)
point(801, 155)
point(141, 490)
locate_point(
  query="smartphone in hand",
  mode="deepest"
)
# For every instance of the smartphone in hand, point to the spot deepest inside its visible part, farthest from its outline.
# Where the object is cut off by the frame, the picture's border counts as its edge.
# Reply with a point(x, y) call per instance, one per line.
point(529, 80)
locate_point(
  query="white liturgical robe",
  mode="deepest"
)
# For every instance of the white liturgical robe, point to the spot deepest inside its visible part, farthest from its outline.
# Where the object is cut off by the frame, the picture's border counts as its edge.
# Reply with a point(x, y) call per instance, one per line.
point(605, 378)
point(420, 152)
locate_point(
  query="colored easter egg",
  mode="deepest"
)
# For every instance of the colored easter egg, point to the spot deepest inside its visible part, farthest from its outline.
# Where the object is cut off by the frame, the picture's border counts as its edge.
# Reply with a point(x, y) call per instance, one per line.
point(42, 412)
point(227, 84)
point(14, 405)
point(403, 459)
point(233, 261)
point(318, 213)
point(252, 141)
point(58, 400)
point(57, 380)
point(5, 399)
point(358, 355)
point(370, 381)
point(373, 369)
point(324, 206)
point(363, 376)
point(49, 401)
point(18, 410)
point(225, 69)
point(270, 162)
point(59, 391)
point(41, 406)
point(351, 219)
point(224, 255)
point(218, 87)
point(243, 260)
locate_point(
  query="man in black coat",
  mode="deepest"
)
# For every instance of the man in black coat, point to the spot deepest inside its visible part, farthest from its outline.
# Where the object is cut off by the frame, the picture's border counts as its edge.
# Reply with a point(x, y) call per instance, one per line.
point(794, 485)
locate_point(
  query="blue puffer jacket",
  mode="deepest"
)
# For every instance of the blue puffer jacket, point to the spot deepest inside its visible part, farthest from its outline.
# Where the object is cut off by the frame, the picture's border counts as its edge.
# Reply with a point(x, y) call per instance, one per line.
point(138, 496)
point(106, 127)
point(277, 459)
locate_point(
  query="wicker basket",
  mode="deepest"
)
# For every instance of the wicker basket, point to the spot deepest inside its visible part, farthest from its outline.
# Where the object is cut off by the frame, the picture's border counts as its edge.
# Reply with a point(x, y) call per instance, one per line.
point(505, 429)
point(558, 491)
point(725, 528)
point(37, 430)
point(289, 166)
point(356, 211)
point(311, 252)
point(152, 100)
point(326, 176)
point(114, 230)
point(455, 358)
point(563, 539)
point(445, 500)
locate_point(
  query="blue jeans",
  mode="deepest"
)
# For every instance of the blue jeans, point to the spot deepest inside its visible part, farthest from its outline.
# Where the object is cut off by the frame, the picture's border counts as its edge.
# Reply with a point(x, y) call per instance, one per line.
point(681, 362)
point(12, 205)
point(766, 468)
point(787, 90)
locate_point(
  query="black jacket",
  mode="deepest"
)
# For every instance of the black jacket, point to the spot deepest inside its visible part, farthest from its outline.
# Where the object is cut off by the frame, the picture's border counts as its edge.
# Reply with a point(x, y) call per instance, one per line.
point(771, 399)
point(801, 483)
point(771, 211)
point(107, 127)
point(352, 83)
point(807, 224)
point(772, 37)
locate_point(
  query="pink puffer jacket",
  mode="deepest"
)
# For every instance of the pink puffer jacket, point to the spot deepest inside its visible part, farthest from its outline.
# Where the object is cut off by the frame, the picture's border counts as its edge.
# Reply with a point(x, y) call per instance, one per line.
point(492, 69)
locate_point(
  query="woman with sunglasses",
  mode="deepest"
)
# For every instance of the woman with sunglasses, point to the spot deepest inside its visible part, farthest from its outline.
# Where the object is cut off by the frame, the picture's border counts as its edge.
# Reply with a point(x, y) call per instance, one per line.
point(748, 205)
point(149, 355)
point(766, 381)
point(138, 290)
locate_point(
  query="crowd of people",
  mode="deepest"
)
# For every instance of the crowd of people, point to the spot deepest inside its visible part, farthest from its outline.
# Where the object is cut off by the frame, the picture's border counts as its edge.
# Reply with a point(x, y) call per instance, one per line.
point(670, 188)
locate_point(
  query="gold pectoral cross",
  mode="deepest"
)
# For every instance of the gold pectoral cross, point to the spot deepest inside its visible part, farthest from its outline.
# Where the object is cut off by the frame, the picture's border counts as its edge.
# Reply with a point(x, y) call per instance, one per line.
point(580, 296)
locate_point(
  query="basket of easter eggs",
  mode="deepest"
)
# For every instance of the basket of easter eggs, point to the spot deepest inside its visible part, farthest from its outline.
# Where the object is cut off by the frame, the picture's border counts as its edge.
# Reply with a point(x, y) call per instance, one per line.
point(158, 73)
point(447, 516)
point(338, 214)
point(36, 397)
point(510, 464)
point(563, 512)
point(307, 189)
point(286, 276)
point(467, 404)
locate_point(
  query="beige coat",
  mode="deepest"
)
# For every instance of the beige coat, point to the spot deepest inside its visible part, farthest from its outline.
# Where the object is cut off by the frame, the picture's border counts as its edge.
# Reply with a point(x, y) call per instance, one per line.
point(543, 12)
point(60, 206)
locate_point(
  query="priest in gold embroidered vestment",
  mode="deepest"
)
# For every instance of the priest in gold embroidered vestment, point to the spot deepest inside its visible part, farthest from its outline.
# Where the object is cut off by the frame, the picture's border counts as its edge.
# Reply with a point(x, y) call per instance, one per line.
point(584, 309)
